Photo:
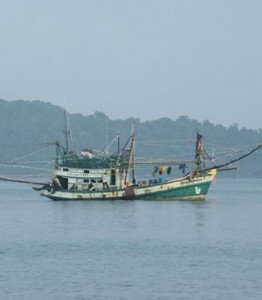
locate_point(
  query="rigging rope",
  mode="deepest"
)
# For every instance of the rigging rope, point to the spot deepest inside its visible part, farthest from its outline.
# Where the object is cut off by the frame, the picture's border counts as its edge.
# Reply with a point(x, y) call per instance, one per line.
point(28, 154)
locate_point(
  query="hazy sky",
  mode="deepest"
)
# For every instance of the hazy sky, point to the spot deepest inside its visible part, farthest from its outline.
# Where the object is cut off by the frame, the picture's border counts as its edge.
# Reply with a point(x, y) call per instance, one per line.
point(136, 58)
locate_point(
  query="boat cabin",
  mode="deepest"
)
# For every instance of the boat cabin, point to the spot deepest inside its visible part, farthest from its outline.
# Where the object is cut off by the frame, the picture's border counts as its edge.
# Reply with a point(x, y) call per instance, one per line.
point(88, 179)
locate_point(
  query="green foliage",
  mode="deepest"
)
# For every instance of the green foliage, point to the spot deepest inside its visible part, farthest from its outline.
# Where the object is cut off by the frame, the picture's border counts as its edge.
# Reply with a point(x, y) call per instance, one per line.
point(26, 125)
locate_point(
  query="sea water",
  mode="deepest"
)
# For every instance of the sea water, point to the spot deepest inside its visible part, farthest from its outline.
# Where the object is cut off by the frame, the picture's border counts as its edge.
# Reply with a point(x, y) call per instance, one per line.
point(130, 250)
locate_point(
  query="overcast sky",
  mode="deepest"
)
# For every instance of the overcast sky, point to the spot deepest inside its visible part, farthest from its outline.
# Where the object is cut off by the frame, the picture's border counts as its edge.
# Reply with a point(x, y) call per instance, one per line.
point(146, 59)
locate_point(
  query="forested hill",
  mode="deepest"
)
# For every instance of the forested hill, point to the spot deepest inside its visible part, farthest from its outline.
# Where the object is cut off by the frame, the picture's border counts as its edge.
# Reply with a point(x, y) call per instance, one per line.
point(27, 125)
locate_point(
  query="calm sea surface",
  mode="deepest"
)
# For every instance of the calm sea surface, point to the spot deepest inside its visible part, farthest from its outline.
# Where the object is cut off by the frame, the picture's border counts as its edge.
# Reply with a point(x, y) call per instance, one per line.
point(132, 249)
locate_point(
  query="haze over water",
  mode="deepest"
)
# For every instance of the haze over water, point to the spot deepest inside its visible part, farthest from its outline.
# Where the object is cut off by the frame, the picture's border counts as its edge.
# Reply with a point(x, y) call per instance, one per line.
point(132, 249)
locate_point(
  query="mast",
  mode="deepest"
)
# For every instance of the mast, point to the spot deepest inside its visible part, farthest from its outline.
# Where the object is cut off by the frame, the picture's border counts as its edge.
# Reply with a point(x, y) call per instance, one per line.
point(57, 154)
point(199, 160)
point(106, 125)
point(133, 153)
point(118, 143)
point(131, 156)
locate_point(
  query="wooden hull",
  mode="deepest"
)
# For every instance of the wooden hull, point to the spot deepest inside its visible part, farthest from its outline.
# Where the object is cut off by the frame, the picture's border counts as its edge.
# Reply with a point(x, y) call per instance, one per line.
point(177, 189)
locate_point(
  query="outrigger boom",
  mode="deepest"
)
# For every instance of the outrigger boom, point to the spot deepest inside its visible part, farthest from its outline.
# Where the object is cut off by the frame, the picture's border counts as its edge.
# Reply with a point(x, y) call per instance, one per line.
point(2, 178)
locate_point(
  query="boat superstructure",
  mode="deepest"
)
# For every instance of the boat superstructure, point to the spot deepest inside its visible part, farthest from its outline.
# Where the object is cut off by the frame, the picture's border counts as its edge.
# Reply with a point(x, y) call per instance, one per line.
point(90, 177)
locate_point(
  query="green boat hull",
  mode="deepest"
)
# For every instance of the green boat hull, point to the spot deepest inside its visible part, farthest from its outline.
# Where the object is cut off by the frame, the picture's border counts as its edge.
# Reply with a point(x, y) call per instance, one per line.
point(173, 190)
point(194, 192)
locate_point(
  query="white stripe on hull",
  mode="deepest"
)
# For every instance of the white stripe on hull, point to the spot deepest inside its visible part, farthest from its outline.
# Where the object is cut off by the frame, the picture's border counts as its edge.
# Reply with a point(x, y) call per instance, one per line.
point(133, 192)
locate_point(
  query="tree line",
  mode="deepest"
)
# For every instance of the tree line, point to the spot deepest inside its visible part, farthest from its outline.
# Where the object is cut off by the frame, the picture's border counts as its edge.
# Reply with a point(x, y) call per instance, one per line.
point(26, 126)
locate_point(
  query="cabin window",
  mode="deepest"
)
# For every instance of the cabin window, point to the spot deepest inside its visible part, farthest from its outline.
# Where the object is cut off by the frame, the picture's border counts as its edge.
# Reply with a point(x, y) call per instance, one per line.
point(86, 180)
point(63, 182)
point(113, 177)
point(86, 171)
point(65, 169)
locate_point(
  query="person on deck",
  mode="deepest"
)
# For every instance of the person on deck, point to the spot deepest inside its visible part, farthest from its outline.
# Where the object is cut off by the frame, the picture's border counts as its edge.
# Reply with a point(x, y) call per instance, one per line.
point(105, 181)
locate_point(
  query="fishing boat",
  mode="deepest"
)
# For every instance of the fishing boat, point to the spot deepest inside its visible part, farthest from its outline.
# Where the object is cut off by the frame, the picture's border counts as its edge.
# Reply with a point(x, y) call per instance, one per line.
point(89, 176)
point(94, 176)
